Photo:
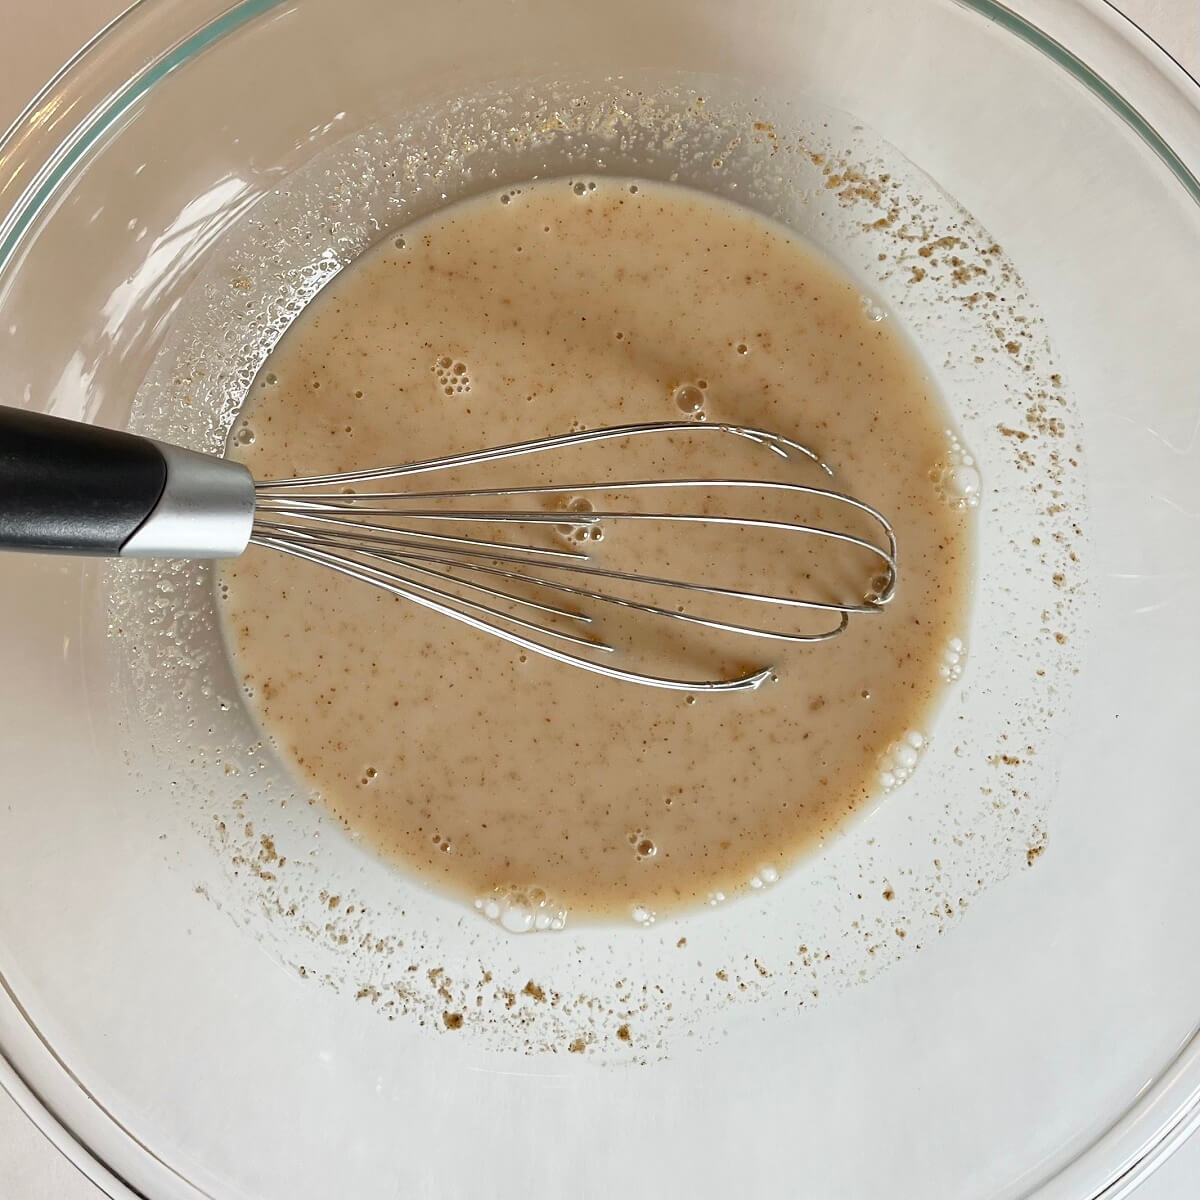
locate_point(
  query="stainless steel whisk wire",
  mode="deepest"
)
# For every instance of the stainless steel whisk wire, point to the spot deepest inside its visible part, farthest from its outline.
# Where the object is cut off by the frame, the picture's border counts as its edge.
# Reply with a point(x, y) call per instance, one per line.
point(369, 537)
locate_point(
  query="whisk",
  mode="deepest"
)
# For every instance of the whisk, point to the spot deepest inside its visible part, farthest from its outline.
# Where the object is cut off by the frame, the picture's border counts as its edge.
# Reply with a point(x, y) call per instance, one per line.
point(72, 488)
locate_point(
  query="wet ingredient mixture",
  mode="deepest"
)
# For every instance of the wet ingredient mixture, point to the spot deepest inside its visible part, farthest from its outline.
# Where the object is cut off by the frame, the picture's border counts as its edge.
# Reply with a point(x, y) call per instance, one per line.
point(531, 789)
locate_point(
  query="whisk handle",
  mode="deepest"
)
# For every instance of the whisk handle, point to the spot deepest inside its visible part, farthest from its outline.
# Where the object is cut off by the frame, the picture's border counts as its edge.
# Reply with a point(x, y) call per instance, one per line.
point(71, 488)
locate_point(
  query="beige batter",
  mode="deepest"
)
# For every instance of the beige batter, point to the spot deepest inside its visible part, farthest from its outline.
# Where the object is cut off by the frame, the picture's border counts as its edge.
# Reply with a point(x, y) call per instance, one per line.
point(526, 786)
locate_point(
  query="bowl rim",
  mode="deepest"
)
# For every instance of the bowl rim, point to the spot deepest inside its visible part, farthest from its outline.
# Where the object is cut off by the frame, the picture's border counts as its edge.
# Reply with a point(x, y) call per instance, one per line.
point(1131, 73)
point(1166, 116)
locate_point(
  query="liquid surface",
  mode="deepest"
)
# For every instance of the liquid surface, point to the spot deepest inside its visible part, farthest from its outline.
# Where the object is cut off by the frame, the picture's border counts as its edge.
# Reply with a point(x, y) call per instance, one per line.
point(531, 788)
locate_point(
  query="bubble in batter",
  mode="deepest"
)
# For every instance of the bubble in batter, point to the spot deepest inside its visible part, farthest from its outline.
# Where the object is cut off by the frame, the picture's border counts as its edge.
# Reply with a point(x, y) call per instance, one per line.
point(953, 660)
point(874, 310)
point(957, 478)
point(689, 399)
point(519, 911)
point(764, 877)
point(899, 760)
point(452, 375)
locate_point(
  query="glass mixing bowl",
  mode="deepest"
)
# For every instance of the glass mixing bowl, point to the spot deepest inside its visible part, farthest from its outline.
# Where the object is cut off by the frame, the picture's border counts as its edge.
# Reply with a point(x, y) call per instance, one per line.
point(208, 989)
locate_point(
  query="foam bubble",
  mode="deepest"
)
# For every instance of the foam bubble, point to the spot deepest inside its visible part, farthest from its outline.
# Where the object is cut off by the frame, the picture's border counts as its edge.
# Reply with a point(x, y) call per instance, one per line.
point(452, 374)
point(764, 877)
point(900, 760)
point(642, 915)
point(954, 659)
point(517, 918)
point(522, 911)
point(963, 484)
point(715, 898)
point(956, 477)
point(582, 531)
point(873, 309)
point(689, 399)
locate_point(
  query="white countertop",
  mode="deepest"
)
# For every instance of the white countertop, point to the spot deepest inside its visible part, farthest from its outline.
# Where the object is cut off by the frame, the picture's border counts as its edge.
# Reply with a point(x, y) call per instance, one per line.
point(38, 37)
